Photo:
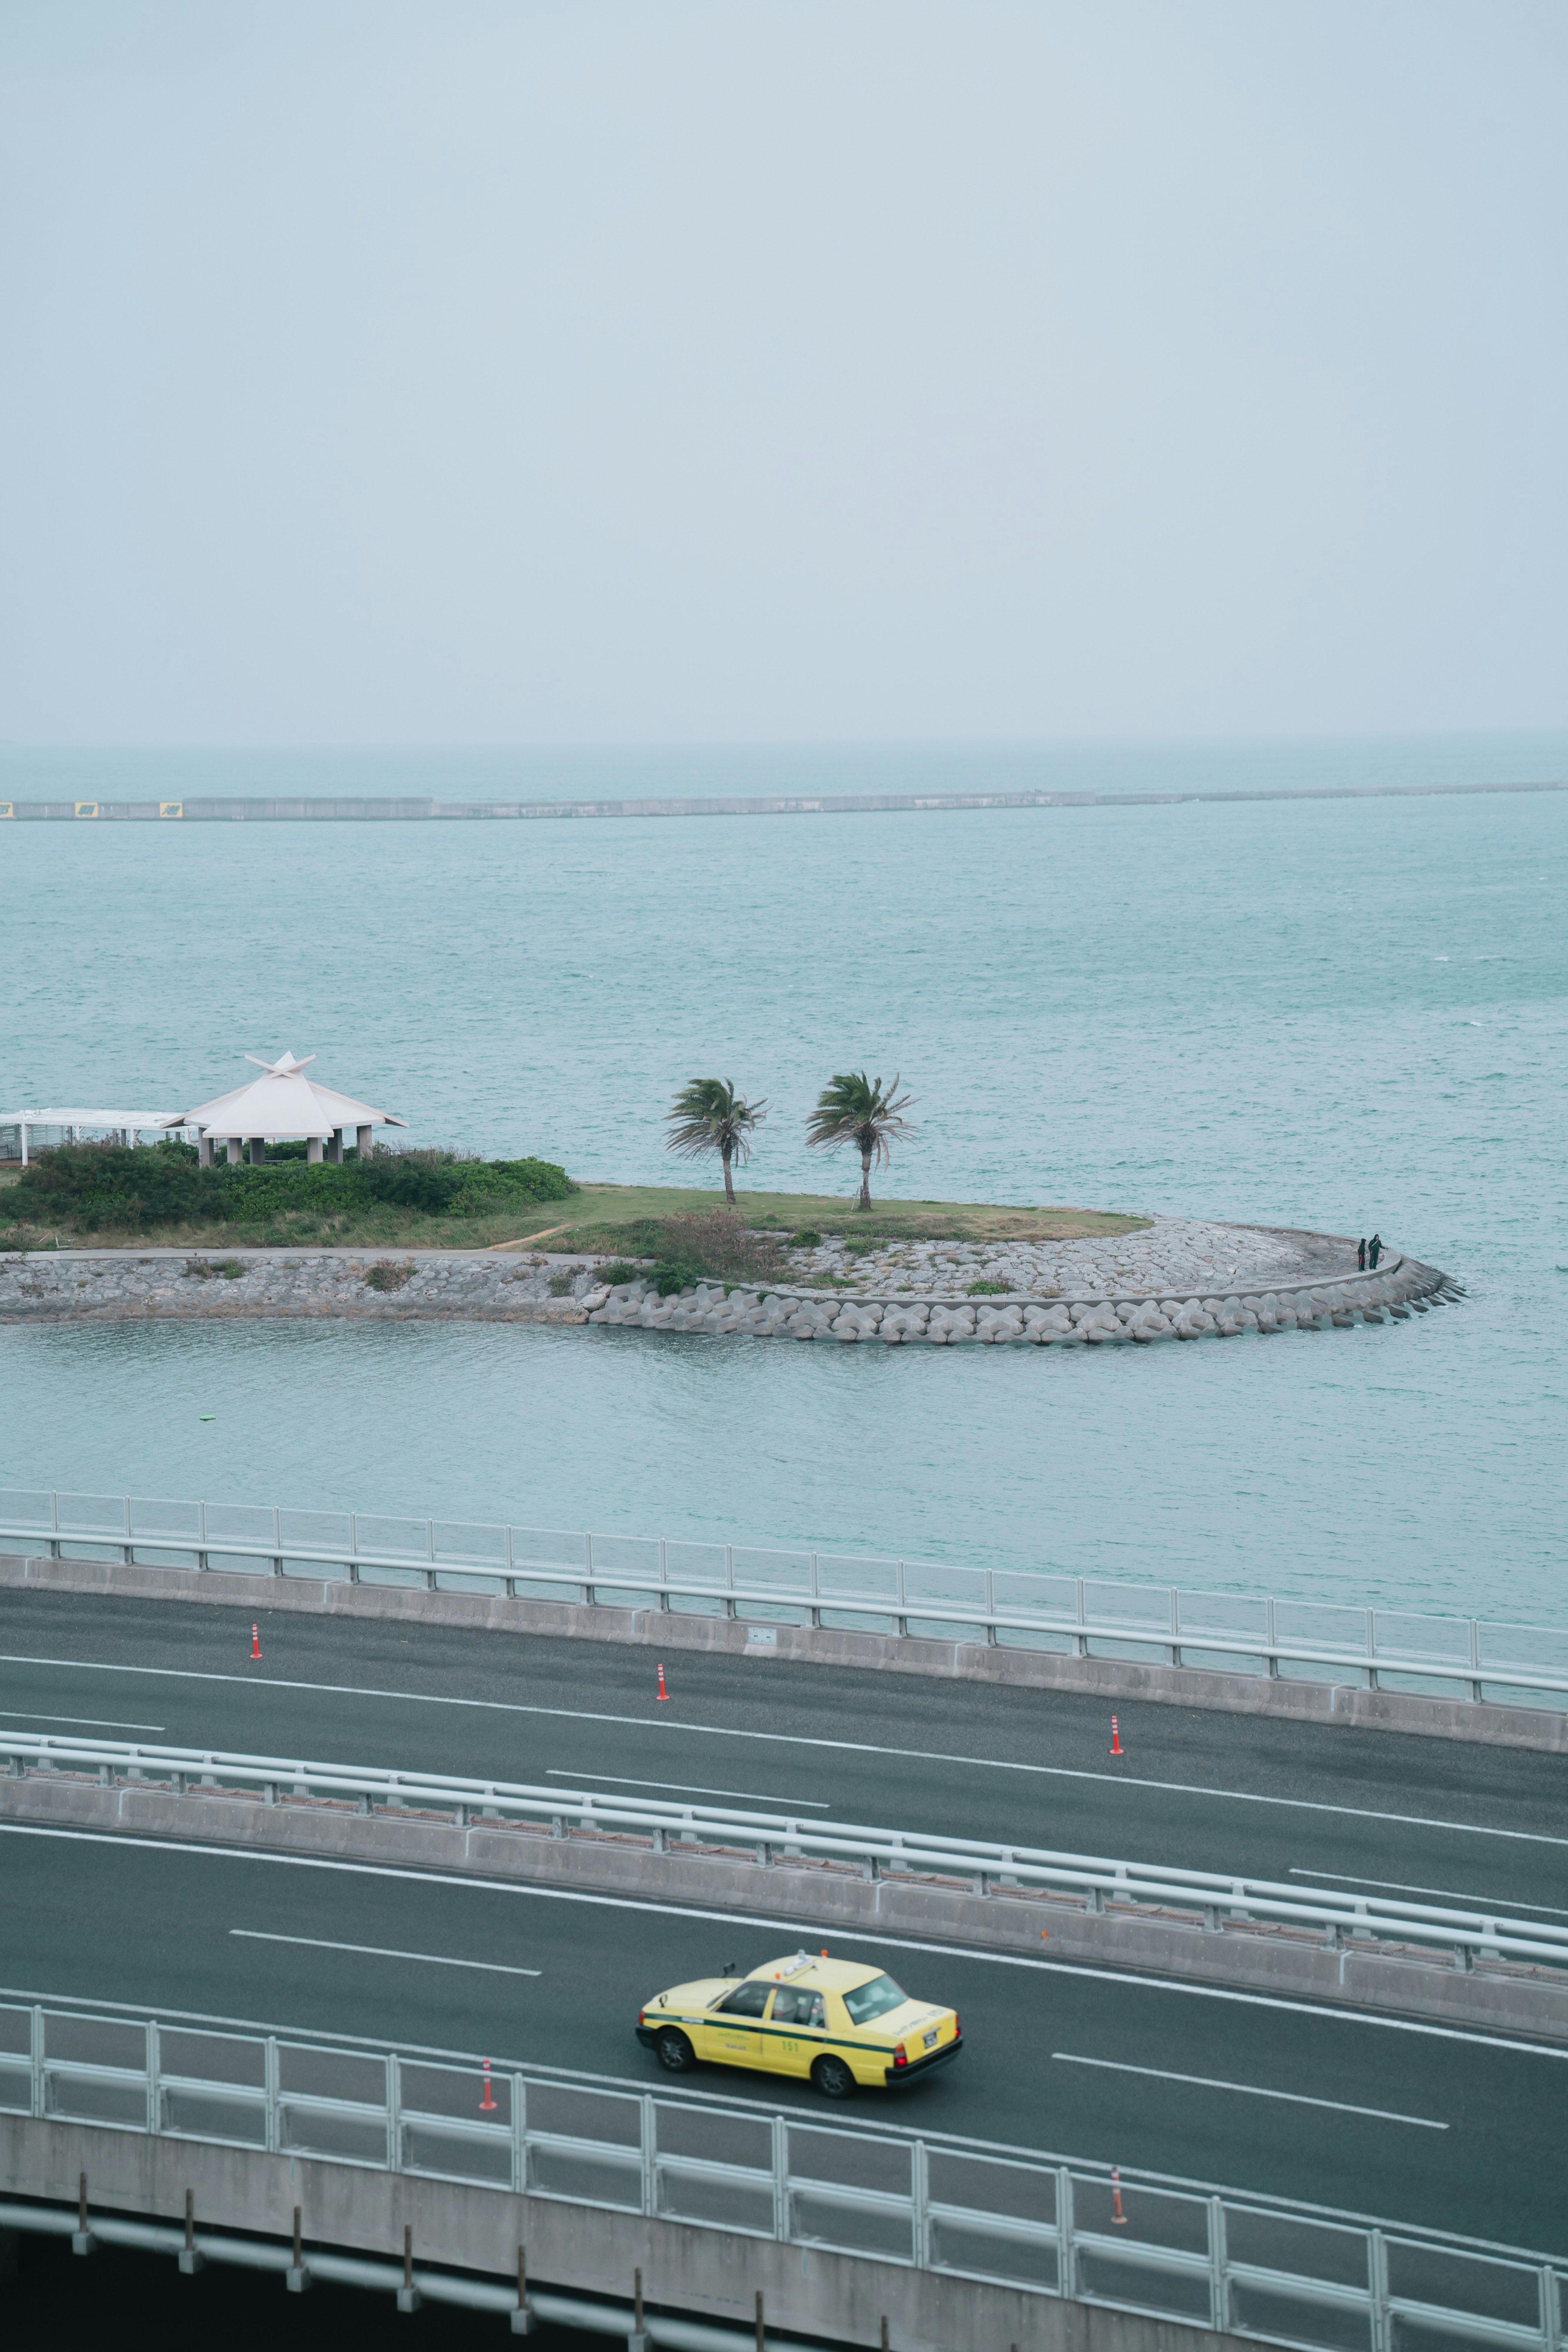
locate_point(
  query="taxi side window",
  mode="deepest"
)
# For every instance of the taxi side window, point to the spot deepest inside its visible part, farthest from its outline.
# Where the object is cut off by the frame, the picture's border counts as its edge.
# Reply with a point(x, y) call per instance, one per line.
point(797, 2006)
point(748, 1999)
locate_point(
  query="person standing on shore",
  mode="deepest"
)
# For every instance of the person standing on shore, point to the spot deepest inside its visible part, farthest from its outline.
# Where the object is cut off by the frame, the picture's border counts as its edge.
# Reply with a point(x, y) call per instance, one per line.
point(1374, 1249)
point(1361, 1255)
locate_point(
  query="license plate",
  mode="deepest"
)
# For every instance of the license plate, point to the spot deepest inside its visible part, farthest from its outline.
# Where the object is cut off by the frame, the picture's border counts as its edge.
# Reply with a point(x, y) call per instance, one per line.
point(931, 2041)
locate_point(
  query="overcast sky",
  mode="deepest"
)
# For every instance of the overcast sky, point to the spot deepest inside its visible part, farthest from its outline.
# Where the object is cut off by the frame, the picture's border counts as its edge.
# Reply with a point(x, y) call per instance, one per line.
point(641, 370)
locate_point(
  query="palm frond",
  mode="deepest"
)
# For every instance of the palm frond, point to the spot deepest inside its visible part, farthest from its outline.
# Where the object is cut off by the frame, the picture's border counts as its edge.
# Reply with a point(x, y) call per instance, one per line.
point(707, 1114)
point(855, 1109)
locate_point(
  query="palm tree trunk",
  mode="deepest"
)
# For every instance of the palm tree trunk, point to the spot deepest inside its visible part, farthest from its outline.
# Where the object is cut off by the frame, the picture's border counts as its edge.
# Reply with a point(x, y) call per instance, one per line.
point(865, 1180)
point(728, 1182)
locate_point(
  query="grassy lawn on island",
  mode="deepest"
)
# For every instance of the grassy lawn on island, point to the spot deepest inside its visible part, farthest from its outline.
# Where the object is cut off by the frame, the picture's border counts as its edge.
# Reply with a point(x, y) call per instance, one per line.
point(615, 1220)
point(615, 1216)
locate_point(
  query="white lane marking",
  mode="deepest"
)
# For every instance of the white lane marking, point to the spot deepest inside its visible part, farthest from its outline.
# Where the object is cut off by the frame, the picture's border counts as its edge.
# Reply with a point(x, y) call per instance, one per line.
point(1327, 2011)
point(1400, 1886)
point(799, 1739)
point(384, 1952)
point(1247, 2090)
point(95, 1722)
point(686, 1788)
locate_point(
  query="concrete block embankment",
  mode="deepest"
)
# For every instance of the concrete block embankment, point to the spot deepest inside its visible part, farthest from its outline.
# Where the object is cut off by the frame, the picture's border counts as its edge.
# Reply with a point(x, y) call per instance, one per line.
point(1261, 1958)
point(1336, 1705)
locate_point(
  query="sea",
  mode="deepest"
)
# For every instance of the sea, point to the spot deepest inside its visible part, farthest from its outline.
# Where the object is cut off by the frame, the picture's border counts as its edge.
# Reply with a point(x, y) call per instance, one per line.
point(1343, 1013)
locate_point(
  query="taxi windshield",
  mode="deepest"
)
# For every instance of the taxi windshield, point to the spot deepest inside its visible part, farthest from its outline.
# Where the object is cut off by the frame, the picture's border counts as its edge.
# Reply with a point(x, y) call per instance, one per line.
point(873, 2000)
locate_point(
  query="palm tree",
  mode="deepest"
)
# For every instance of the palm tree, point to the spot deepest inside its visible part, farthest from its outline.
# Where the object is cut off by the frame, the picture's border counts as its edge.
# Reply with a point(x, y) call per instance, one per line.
point(707, 1114)
point(854, 1109)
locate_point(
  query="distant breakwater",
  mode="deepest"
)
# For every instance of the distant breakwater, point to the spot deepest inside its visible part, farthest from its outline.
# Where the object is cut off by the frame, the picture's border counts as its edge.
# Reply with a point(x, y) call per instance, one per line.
point(311, 809)
point(112, 1286)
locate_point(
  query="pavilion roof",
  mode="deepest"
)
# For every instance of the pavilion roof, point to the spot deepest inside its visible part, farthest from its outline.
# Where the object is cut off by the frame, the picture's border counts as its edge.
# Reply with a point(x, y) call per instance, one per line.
point(281, 1104)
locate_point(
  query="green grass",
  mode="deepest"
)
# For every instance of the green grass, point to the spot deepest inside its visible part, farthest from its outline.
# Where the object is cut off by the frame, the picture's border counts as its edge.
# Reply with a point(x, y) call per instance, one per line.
point(623, 1220)
point(617, 1216)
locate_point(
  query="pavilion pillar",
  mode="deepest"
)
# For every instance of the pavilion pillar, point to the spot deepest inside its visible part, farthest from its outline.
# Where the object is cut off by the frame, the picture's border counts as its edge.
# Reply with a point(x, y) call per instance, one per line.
point(312, 1147)
point(204, 1150)
point(362, 1141)
point(255, 1146)
point(234, 1151)
point(335, 1147)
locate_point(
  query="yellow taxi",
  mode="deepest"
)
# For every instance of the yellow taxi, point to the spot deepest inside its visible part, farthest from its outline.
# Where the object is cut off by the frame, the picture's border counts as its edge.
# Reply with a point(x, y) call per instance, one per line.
point(838, 2023)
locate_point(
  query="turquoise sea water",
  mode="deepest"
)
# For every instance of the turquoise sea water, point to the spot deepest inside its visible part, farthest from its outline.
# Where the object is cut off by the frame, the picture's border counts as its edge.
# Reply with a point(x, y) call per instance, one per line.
point(1341, 1014)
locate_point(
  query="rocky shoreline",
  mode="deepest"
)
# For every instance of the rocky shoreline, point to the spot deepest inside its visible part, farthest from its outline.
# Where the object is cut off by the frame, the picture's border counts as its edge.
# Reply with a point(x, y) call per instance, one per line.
point(1299, 1283)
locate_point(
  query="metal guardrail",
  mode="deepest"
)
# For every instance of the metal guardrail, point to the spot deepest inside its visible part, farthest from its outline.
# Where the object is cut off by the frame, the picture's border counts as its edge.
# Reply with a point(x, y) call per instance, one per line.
point(1219, 1900)
point(1046, 2224)
point(1465, 1656)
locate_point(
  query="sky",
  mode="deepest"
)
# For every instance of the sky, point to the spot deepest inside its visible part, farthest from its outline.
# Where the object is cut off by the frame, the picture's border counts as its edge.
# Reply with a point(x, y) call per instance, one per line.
point(664, 371)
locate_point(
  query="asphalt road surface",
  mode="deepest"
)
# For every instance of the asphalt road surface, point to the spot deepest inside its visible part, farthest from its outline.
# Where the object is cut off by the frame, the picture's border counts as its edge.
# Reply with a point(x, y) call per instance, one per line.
point(1411, 2123)
point(1380, 1811)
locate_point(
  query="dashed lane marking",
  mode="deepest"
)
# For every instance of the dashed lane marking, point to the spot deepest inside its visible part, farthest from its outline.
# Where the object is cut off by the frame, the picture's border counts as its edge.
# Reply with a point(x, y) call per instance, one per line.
point(384, 1952)
point(1245, 2090)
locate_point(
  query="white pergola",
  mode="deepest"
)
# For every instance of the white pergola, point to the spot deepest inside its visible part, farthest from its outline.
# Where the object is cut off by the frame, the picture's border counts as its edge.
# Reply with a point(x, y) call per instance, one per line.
point(282, 1106)
point(72, 1125)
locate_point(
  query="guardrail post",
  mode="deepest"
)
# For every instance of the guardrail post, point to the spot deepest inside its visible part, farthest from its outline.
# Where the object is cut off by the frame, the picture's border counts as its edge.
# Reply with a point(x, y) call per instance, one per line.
point(1272, 1656)
point(729, 1579)
point(1372, 1683)
point(1066, 2252)
point(649, 2155)
point(816, 1593)
point(519, 2135)
point(128, 1549)
point(54, 1524)
point(36, 2053)
point(429, 1555)
point(901, 1620)
point(1377, 2283)
point(394, 2113)
point(1219, 2287)
point(274, 2105)
point(1176, 1625)
point(1081, 1641)
point(588, 1570)
point(1551, 2310)
point(920, 2192)
point(154, 2065)
point(201, 1536)
point(277, 1541)
point(353, 1547)
point(990, 1608)
point(663, 1576)
point(1476, 1660)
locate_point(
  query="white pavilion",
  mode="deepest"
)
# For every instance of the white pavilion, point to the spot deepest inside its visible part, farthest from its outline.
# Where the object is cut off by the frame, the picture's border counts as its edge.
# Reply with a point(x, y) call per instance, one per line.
point(282, 1106)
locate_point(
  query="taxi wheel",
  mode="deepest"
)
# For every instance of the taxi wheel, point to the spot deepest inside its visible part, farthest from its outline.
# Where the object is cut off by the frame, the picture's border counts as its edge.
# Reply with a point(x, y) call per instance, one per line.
point(674, 2053)
point(833, 2078)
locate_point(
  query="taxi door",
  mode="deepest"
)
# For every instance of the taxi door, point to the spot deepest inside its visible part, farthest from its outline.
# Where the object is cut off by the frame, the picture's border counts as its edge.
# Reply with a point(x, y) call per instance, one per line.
point(802, 2013)
point(733, 2031)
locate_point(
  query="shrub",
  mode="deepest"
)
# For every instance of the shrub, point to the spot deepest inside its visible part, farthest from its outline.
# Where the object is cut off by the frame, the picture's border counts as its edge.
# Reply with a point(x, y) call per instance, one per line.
point(716, 1245)
point(990, 1289)
point(674, 1274)
point(560, 1284)
point(91, 1186)
point(385, 1274)
point(805, 1239)
point(622, 1270)
point(204, 1270)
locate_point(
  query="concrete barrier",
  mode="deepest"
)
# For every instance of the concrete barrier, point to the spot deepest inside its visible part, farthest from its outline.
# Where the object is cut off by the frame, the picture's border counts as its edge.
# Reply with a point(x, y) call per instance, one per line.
point(1498, 1996)
point(1337, 1704)
point(806, 2291)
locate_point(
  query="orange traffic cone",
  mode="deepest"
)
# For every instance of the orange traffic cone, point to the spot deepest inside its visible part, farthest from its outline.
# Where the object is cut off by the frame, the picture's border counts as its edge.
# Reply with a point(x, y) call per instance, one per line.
point(488, 2103)
point(1119, 2220)
point(1116, 1747)
point(663, 1691)
point(254, 1643)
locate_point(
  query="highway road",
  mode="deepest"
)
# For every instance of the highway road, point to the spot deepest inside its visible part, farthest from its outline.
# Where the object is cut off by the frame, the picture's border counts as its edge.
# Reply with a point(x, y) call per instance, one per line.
point(1383, 1811)
point(1420, 2123)
point(1426, 2124)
